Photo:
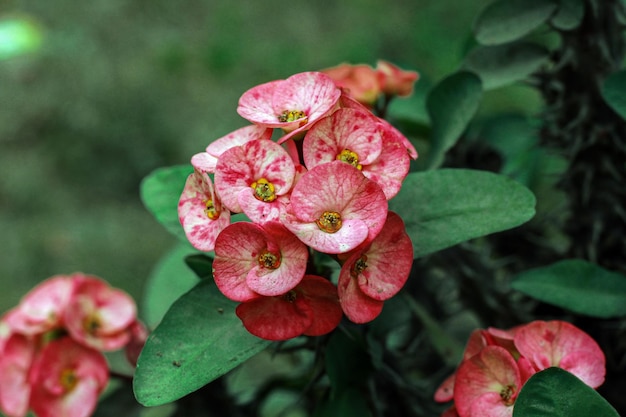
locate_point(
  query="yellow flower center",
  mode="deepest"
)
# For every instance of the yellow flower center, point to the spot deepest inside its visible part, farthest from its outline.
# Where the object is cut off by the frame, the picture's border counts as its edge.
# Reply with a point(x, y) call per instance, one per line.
point(291, 116)
point(263, 190)
point(269, 260)
point(359, 266)
point(92, 323)
point(329, 222)
point(350, 157)
point(506, 393)
point(68, 379)
point(210, 210)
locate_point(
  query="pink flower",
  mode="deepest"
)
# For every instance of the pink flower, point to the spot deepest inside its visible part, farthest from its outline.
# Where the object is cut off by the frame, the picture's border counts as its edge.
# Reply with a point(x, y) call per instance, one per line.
point(206, 161)
point(359, 81)
point(311, 308)
point(200, 212)
point(42, 308)
point(99, 316)
point(67, 379)
point(291, 104)
point(558, 343)
point(16, 357)
point(252, 260)
point(253, 177)
point(334, 208)
point(360, 139)
point(395, 81)
point(377, 272)
point(487, 384)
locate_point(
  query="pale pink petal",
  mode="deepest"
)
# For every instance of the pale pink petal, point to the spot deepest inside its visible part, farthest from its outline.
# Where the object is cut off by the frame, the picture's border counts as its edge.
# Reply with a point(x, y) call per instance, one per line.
point(345, 129)
point(490, 405)
point(204, 162)
point(201, 226)
point(391, 131)
point(390, 168)
point(259, 211)
point(445, 391)
point(237, 138)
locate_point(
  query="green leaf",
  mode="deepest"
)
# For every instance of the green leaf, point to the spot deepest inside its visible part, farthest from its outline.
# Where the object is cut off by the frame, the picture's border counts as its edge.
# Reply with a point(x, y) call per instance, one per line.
point(569, 14)
point(200, 264)
point(504, 64)
point(169, 279)
point(614, 92)
point(507, 20)
point(447, 206)
point(555, 392)
point(199, 339)
point(451, 105)
point(577, 285)
point(349, 403)
point(347, 363)
point(160, 192)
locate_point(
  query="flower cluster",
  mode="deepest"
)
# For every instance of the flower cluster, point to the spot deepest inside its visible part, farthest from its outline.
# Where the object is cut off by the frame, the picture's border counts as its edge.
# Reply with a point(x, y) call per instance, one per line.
point(321, 185)
point(497, 363)
point(51, 345)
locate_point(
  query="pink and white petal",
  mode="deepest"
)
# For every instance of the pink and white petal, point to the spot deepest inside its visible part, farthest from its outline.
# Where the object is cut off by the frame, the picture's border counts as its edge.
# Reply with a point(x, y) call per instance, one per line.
point(270, 161)
point(352, 234)
point(389, 261)
point(587, 366)
point(204, 162)
point(15, 363)
point(389, 132)
point(261, 211)
point(313, 93)
point(233, 173)
point(490, 405)
point(357, 306)
point(368, 203)
point(492, 370)
point(321, 296)
point(237, 250)
point(275, 318)
point(238, 137)
point(445, 391)
point(255, 105)
point(390, 169)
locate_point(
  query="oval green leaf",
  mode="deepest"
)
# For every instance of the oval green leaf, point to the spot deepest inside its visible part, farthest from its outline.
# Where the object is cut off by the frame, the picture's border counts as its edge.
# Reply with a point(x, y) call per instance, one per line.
point(569, 15)
point(507, 20)
point(500, 65)
point(555, 392)
point(199, 339)
point(577, 285)
point(444, 207)
point(614, 92)
point(451, 105)
point(160, 192)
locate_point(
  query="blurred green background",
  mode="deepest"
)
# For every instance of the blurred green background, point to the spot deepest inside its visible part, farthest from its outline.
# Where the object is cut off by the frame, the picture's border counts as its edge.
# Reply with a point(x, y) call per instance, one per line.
point(117, 88)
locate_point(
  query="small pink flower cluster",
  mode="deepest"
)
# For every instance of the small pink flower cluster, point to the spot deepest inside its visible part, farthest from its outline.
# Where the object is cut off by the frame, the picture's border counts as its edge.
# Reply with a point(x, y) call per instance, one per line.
point(323, 186)
point(497, 363)
point(51, 345)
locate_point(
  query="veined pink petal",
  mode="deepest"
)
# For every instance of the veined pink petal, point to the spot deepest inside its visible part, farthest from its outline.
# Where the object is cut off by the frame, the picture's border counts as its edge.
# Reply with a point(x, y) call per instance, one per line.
point(492, 370)
point(255, 105)
point(15, 362)
point(67, 379)
point(344, 130)
point(558, 343)
point(357, 306)
point(490, 405)
point(200, 212)
point(204, 162)
point(240, 167)
point(391, 131)
point(352, 234)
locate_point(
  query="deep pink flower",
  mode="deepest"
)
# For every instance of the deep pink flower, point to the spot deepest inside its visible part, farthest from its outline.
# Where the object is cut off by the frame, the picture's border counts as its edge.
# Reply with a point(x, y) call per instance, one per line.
point(377, 271)
point(558, 343)
point(394, 80)
point(200, 212)
point(206, 161)
point(334, 208)
point(487, 384)
point(67, 379)
point(360, 81)
point(98, 315)
point(16, 358)
point(253, 177)
point(42, 308)
point(291, 104)
point(311, 308)
point(252, 260)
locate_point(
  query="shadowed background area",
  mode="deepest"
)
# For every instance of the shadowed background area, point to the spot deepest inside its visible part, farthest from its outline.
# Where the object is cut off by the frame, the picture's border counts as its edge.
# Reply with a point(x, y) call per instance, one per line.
point(118, 88)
